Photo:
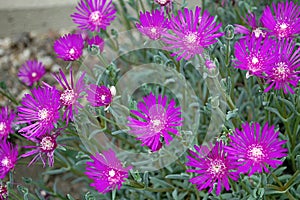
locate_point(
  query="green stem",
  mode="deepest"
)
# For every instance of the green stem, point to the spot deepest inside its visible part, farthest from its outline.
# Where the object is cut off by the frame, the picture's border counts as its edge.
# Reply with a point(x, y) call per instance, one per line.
point(9, 97)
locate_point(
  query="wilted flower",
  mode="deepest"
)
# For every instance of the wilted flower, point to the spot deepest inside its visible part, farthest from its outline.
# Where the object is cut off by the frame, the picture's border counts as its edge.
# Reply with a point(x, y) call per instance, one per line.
point(8, 157)
point(31, 72)
point(69, 47)
point(254, 54)
point(163, 2)
point(211, 167)
point(252, 149)
point(152, 24)
point(255, 27)
point(99, 95)
point(3, 192)
point(285, 23)
point(71, 93)
point(106, 171)
point(7, 117)
point(96, 41)
point(94, 15)
point(285, 70)
point(40, 110)
point(44, 149)
point(191, 33)
point(155, 119)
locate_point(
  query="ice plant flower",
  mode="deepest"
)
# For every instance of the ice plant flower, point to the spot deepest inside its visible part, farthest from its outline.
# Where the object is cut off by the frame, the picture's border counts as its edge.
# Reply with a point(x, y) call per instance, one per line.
point(44, 149)
point(96, 41)
point(254, 54)
point(3, 192)
point(106, 171)
point(69, 47)
point(255, 27)
point(190, 33)
point(8, 157)
point(155, 119)
point(285, 70)
point(40, 110)
point(152, 24)
point(99, 95)
point(252, 149)
point(7, 117)
point(285, 23)
point(71, 93)
point(163, 2)
point(211, 167)
point(94, 15)
point(31, 72)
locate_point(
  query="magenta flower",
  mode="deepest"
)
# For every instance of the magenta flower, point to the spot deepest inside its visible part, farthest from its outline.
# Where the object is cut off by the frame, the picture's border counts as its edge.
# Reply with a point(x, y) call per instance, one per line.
point(255, 27)
point(71, 93)
point(155, 119)
point(285, 70)
point(3, 192)
point(163, 2)
point(191, 33)
point(69, 47)
point(96, 41)
point(40, 110)
point(8, 157)
point(94, 15)
point(99, 95)
point(254, 54)
point(211, 167)
point(7, 117)
point(285, 23)
point(152, 24)
point(252, 149)
point(106, 171)
point(31, 72)
point(44, 149)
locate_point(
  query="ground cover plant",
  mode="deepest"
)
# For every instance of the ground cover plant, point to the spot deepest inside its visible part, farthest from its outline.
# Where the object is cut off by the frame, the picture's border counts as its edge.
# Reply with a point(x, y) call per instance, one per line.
point(159, 99)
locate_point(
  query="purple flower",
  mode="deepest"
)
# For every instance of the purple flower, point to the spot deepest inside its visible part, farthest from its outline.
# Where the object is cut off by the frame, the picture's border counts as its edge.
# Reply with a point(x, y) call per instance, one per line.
point(40, 110)
point(31, 72)
point(212, 167)
point(155, 119)
point(106, 171)
point(191, 33)
point(44, 149)
point(163, 2)
point(285, 23)
point(255, 28)
point(96, 41)
point(252, 149)
point(152, 24)
point(71, 93)
point(99, 95)
point(69, 47)
point(254, 54)
point(94, 15)
point(3, 192)
point(285, 70)
point(7, 117)
point(8, 157)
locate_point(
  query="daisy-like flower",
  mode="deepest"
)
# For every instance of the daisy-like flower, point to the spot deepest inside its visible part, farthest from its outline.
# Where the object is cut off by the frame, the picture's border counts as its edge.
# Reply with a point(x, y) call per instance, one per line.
point(255, 28)
point(97, 42)
point(254, 54)
point(152, 24)
point(8, 157)
point(285, 23)
point(100, 95)
point(44, 149)
point(69, 47)
point(71, 93)
point(190, 33)
point(7, 117)
point(94, 15)
point(285, 70)
point(155, 119)
point(40, 110)
point(106, 171)
point(211, 167)
point(31, 72)
point(252, 149)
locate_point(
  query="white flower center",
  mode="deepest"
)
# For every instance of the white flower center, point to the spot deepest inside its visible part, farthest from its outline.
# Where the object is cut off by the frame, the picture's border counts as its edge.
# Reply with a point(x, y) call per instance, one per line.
point(257, 32)
point(103, 97)
point(2, 126)
point(217, 167)
point(67, 97)
point(282, 71)
point(48, 143)
point(33, 74)
point(191, 38)
point(256, 153)
point(6, 162)
point(157, 125)
point(43, 114)
point(111, 173)
point(254, 60)
point(72, 51)
point(283, 26)
point(95, 17)
point(153, 30)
